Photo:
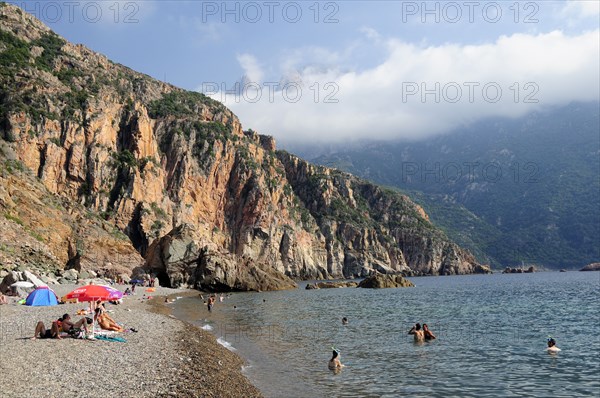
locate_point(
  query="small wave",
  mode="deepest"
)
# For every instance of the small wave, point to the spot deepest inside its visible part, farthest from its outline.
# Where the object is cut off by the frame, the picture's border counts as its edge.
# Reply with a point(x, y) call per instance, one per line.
point(225, 344)
point(245, 368)
point(206, 327)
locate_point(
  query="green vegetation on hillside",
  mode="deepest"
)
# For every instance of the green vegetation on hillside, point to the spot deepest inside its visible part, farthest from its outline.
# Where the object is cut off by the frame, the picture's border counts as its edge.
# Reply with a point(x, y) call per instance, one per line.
point(532, 196)
point(177, 104)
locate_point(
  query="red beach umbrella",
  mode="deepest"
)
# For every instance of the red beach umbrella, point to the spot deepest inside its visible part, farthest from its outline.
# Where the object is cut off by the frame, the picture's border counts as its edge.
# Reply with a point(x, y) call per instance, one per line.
point(93, 293)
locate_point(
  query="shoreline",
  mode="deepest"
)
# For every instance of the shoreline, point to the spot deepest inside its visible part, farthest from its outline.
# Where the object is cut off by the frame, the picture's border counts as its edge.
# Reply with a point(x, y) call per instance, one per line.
point(166, 357)
point(217, 370)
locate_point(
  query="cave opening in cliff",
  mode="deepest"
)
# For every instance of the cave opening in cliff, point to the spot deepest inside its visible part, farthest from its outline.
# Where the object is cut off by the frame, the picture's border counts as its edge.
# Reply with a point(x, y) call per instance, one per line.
point(163, 279)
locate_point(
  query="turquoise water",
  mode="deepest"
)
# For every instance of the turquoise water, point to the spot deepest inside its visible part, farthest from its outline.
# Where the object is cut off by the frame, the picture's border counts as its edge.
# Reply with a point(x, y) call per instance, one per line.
point(491, 331)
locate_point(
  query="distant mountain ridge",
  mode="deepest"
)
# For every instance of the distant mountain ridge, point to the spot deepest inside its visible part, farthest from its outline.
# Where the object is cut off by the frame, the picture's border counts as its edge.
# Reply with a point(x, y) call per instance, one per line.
point(513, 191)
point(194, 194)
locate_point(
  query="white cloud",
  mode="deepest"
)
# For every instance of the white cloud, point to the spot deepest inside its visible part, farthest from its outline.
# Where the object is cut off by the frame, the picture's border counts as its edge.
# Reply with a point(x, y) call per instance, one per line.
point(581, 9)
point(371, 33)
point(201, 32)
point(532, 71)
point(252, 69)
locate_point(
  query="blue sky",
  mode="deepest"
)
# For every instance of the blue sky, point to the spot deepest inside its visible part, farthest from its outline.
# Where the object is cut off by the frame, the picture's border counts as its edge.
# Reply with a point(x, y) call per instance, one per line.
point(362, 67)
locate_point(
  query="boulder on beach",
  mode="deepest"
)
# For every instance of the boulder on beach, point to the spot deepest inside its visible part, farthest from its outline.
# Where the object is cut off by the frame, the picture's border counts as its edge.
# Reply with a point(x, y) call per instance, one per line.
point(331, 285)
point(172, 258)
point(70, 274)
point(382, 281)
point(49, 280)
point(225, 272)
point(9, 279)
point(591, 267)
point(19, 276)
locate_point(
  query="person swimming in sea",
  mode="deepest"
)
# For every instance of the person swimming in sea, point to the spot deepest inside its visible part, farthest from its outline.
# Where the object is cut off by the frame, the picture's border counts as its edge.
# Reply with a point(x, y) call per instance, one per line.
point(344, 321)
point(334, 362)
point(428, 334)
point(552, 348)
point(417, 332)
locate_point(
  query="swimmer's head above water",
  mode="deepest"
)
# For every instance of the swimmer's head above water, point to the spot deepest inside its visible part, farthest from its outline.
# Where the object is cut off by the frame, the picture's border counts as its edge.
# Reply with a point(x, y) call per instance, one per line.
point(335, 353)
point(551, 342)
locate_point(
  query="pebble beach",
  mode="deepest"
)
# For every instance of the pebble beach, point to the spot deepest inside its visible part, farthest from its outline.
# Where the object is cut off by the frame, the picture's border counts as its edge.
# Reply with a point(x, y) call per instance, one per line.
point(165, 358)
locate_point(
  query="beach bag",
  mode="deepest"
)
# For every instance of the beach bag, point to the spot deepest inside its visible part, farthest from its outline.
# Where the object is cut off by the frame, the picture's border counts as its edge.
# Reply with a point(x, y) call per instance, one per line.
point(77, 333)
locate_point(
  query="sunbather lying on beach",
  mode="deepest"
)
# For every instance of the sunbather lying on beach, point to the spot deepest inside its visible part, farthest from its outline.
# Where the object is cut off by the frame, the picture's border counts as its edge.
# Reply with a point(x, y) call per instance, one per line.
point(70, 327)
point(106, 322)
point(43, 333)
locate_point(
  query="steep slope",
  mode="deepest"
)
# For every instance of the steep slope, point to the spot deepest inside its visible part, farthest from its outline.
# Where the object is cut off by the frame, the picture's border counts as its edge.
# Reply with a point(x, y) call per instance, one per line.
point(521, 190)
point(175, 172)
point(43, 232)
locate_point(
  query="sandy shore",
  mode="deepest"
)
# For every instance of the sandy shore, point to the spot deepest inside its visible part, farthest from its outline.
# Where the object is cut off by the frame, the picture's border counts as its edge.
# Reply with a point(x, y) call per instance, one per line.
point(166, 357)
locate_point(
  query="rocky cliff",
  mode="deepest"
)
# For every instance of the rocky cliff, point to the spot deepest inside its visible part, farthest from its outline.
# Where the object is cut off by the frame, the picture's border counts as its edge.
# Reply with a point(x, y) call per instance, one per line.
point(174, 171)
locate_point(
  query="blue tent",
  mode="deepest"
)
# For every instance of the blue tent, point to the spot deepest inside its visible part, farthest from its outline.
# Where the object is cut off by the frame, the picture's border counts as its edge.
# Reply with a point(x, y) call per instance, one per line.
point(42, 296)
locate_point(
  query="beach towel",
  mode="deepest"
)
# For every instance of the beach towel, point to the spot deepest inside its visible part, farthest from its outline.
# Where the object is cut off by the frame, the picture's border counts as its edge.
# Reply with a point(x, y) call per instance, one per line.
point(111, 338)
point(102, 332)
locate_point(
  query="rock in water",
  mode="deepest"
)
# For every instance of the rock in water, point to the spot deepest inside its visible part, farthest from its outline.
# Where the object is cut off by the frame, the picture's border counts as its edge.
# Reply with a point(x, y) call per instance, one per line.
point(381, 281)
point(224, 272)
point(591, 267)
point(330, 285)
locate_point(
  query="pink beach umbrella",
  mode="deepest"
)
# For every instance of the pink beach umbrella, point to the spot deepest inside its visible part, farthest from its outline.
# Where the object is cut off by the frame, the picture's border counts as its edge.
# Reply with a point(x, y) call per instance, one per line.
point(91, 294)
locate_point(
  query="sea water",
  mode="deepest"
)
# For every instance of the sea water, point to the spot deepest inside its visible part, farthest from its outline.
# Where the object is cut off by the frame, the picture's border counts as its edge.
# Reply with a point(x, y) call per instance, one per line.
point(491, 337)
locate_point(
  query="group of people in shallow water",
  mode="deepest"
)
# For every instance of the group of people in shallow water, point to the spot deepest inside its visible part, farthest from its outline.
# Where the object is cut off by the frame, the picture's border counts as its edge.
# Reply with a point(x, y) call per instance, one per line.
point(212, 299)
point(421, 333)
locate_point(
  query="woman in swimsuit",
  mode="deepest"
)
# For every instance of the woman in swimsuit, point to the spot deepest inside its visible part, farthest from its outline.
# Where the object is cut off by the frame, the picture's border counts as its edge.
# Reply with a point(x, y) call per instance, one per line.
point(334, 362)
point(428, 334)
